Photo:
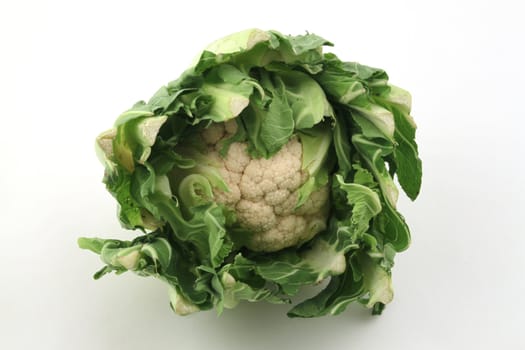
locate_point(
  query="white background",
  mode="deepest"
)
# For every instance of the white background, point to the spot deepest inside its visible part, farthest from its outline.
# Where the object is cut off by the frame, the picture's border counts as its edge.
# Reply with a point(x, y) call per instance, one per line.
point(67, 69)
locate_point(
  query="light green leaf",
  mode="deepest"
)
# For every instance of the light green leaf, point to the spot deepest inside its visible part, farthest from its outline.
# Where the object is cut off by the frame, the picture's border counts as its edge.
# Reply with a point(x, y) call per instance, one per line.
point(229, 100)
point(377, 281)
point(317, 160)
point(373, 153)
point(268, 125)
point(180, 304)
point(380, 117)
point(333, 299)
point(159, 251)
point(408, 164)
point(365, 204)
point(241, 41)
point(306, 98)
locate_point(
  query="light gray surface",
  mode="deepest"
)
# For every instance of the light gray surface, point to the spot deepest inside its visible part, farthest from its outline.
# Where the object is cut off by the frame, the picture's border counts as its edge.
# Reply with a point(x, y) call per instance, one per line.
point(67, 70)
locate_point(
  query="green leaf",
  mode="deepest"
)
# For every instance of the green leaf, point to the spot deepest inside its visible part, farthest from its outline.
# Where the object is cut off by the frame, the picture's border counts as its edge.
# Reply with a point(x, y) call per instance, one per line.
point(134, 139)
point(368, 129)
point(204, 229)
point(301, 44)
point(180, 304)
point(396, 231)
point(166, 102)
point(373, 153)
point(380, 117)
point(93, 244)
point(160, 251)
point(269, 125)
point(341, 291)
point(342, 145)
point(339, 85)
point(408, 164)
point(277, 124)
point(363, 177)
point(317, 160)
point(377, 281)
point(306, 99)
point(236, 291)
point(240, 41)
point(365, 204)
point(291, 269)
point(229, 100)
point(118, 184)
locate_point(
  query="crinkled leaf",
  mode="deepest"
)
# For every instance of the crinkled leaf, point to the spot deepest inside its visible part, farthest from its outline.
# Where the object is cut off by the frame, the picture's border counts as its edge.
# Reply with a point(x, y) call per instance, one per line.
point(408, 163)
point(333, 299)
point(373, 153)
point(306, 99)
point(269, 125)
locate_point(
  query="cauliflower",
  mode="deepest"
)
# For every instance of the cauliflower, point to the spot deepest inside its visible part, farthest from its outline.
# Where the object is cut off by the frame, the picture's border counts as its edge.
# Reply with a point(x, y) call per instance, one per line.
point(268, 165)
point(263, 193)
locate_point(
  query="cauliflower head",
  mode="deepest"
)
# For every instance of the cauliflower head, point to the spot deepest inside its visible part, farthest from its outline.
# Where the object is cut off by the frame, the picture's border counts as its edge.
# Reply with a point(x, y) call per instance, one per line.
point(264, 193)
